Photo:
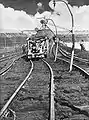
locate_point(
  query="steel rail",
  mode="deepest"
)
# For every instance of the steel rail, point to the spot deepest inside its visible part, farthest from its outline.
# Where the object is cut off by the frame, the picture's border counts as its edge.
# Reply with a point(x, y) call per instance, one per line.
point(78, 67)
point(75, 57)
point(51, 100)
point(15, 93)
point(9, 56)
point(74, 64)
point(8, 66)
point(67, 55)
point(79, 108)
point(9, 53)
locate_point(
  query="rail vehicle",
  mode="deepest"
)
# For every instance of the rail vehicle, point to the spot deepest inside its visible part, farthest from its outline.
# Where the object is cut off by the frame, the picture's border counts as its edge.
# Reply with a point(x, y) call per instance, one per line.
point(38, 44)
point(36, 47)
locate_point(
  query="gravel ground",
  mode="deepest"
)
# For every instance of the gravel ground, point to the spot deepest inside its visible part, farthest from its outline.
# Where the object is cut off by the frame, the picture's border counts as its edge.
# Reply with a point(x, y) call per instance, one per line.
point(10, 81)
point(79, 53)
point(71, 89)
point(32, 102)
point(9, 50)
point(3, 64)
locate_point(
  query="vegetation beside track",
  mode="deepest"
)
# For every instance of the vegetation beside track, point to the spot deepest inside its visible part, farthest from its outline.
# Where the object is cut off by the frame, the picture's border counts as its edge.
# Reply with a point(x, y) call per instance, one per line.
point(12, 79)
point(32, 102)
point(71, 90)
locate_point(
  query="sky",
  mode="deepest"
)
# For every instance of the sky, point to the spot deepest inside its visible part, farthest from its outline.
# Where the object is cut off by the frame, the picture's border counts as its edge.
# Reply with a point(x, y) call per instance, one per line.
point(15, 16)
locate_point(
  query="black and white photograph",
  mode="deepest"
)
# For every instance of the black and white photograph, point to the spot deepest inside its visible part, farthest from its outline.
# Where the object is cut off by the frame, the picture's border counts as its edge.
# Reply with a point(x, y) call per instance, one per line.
point(44, 59)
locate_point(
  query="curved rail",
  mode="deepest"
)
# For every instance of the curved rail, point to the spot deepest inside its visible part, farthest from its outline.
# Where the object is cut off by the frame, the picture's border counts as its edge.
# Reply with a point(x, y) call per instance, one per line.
point(78, 67)
point(81, 109)
point(66, 58)
point(52, 94)
point(51, 100)
point(83, 69)
point(65, 53)
point(9, 64)
point(15, 93)
point(9, 56)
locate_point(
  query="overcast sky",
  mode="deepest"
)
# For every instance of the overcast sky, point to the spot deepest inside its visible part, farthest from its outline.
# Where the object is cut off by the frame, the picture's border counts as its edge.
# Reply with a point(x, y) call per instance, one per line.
point(22, 14)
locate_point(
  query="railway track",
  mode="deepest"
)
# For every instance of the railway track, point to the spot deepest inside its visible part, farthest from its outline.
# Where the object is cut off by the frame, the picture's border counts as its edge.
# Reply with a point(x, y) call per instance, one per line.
point(39, 92)
point(7, 53)
point(5, 109)
point(79, 63)
point(8, 57)
point(68, 55)
point(38, 89)
point(8, 64)
point(79, 69)
point(53, 92)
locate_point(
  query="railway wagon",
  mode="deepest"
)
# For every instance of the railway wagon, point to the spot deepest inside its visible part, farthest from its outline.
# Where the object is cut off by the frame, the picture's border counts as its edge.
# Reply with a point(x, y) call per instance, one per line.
point(36, 47)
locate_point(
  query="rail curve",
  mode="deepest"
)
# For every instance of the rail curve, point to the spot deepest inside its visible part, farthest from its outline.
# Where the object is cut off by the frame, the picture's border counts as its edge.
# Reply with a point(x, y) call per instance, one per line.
point(16, 91)
point(79, 63)
point(8, 57)
point(51, 104)
point(80, 66)
point(9, 64)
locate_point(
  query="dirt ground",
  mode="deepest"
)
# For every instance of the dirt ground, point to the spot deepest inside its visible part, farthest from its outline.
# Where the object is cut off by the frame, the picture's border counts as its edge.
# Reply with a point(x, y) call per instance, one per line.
point(32, 102)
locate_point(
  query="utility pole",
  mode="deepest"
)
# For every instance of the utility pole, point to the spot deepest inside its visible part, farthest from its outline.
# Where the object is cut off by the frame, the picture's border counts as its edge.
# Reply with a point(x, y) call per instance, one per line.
point(72, 31)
